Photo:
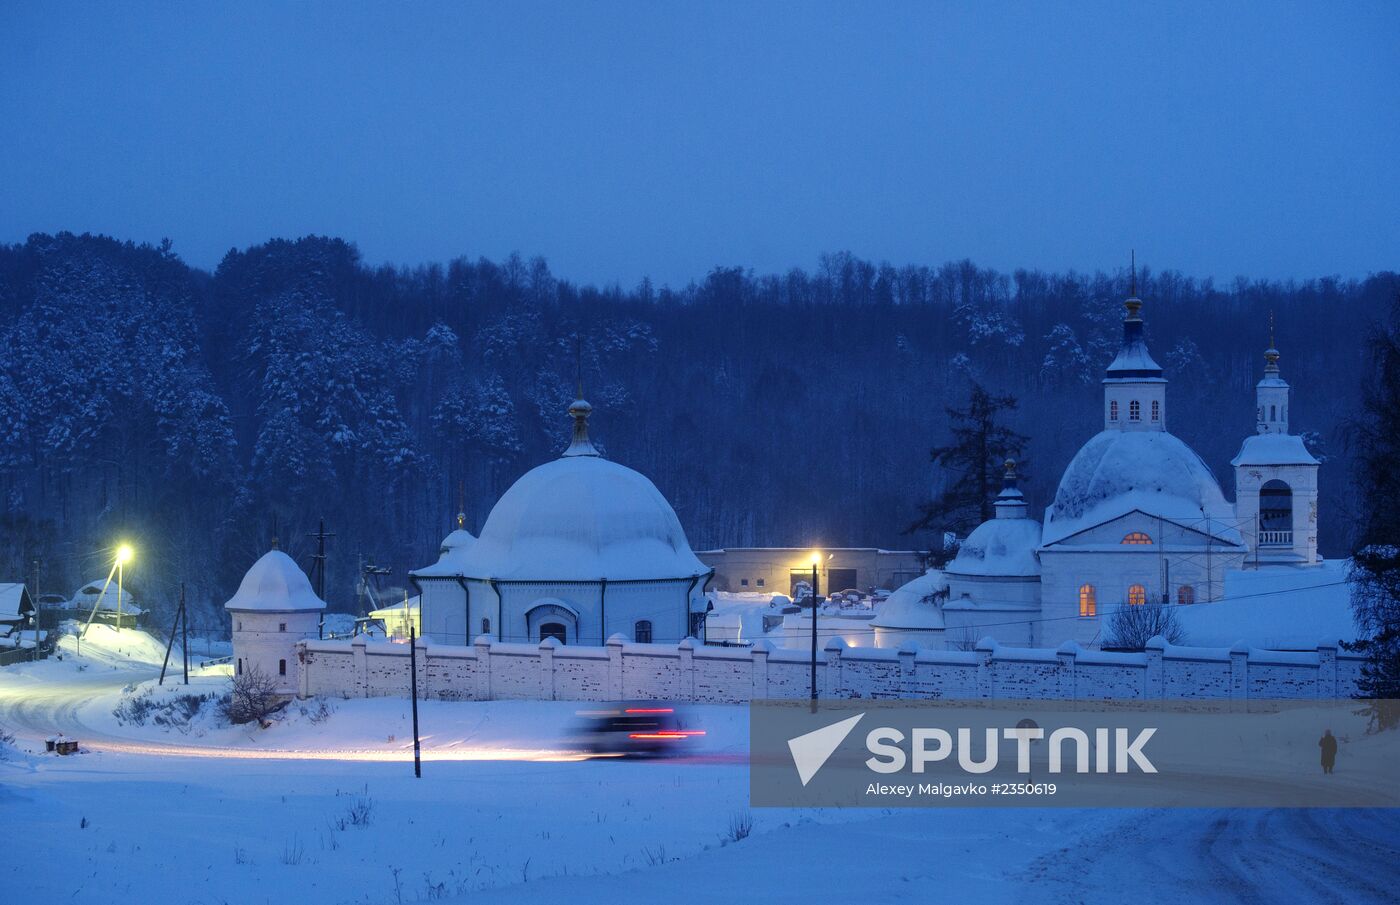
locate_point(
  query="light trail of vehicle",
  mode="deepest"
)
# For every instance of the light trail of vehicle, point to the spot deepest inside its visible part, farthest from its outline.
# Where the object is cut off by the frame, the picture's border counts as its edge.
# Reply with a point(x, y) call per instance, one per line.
point(35, 711)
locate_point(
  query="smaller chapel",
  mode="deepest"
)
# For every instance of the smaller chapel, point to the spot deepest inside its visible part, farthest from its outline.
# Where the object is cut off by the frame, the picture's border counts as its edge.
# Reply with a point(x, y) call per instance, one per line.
point(578, 550)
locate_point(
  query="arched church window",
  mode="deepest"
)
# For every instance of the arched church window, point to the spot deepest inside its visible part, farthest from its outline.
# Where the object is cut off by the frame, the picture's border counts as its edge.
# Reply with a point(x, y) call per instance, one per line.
point(554, 630)
point(1273, 413)
point(1088, 601)
point(1186, 594)
point(1137, 595)
point(642, 631)
point(1113, 410)
point(1156, 410)
point(486, 626)
point(281, 667)
point(1137, 537)
point(1134, 411)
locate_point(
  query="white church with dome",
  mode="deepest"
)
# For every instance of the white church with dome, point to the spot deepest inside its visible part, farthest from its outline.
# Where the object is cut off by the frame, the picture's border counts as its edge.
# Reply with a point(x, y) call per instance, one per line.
point(1138, 517)
point(578, 549)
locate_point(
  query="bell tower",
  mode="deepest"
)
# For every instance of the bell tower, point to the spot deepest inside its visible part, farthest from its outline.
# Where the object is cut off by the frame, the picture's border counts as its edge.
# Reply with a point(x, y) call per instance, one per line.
point(1134, 390)
point(1276, 479)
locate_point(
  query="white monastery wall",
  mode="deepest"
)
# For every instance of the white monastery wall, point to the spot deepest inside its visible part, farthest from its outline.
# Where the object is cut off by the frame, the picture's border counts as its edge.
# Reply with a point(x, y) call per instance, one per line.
point(689, 671)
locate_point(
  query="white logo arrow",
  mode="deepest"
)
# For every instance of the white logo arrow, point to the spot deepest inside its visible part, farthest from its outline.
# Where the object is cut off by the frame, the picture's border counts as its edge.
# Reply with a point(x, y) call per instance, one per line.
point(810, 751)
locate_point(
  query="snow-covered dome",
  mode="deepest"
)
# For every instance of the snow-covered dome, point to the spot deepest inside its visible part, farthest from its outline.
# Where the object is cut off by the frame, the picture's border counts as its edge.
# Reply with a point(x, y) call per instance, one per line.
point(1005, 545)
point(1117, 472)
point(581, 518)
point(912, 605)
point(1000, 546)
point(450, 553)
point(275, 584)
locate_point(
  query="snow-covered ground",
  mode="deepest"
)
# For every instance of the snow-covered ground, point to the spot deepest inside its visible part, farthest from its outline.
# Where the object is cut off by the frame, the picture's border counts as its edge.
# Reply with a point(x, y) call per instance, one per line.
point(1288, 608)
point(322, 807)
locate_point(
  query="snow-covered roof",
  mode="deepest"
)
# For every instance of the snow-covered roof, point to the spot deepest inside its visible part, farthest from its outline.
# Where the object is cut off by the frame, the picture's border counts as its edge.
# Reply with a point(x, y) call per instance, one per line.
point(275, 584)
point(13, 598)
point(1274, 449)
point(450, 555)
point(1281, 607)
point(999, 546)
point(582, 518)
point(1133, 361)
point(912, 606)
point(1118, 472)
point(107, 600)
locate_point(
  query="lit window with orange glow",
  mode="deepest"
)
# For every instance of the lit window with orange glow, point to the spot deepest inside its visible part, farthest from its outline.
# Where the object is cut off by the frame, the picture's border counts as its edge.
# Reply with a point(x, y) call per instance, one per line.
point(1137, 595)
point(1186, 594)
point(1137, 537)
point(1088, 601)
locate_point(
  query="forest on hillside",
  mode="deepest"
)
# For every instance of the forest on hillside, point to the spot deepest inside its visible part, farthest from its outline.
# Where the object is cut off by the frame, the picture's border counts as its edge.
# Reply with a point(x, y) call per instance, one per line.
point(195, 413)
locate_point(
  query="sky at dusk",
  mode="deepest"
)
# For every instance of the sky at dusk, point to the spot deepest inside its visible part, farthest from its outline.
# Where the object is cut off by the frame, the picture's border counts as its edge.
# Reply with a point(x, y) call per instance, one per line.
point(624, 140)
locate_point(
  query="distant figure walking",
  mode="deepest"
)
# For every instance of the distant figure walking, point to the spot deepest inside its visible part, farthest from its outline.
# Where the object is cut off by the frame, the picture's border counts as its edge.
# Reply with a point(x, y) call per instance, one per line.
point(1328, 744)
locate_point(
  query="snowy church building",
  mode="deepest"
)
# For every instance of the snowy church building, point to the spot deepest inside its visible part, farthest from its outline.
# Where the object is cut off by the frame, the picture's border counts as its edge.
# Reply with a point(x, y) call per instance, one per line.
point(578, 549)
point(1138, 517)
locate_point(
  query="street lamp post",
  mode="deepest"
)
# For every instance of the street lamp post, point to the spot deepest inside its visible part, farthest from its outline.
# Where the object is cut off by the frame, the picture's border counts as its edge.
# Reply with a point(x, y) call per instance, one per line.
point(816, 560)
point(124, 554)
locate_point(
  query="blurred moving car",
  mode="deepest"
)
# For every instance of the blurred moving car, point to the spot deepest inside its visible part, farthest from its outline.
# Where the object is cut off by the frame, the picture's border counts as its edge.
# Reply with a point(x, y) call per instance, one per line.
point(637, 728)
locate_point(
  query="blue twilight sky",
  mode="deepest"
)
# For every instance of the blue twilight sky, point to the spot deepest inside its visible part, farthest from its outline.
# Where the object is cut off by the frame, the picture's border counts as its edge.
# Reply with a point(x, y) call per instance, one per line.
point(628, 139)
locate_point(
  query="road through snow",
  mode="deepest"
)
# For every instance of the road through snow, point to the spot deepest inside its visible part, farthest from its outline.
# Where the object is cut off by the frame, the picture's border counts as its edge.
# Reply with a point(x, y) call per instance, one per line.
point(663, 816)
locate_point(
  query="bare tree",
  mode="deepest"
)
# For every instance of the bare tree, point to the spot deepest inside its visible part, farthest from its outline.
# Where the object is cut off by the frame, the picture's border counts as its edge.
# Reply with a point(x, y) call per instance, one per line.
point(1133, 625)
point(252, 696)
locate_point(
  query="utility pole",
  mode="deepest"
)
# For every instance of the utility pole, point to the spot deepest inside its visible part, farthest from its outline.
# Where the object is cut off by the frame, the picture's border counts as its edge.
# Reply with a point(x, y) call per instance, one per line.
point(413, 691)
point(320, 570)
point(181, 622)
point(185, 632)
point(37, 567)
point(170, 642)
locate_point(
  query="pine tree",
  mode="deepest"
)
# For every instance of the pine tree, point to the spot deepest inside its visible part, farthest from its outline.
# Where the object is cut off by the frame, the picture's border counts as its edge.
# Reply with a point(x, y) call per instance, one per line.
point(1375, 565)
point(975, 456)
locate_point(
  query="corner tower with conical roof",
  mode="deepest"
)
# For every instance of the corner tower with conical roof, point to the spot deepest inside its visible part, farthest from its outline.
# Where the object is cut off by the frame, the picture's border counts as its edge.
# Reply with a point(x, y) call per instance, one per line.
point(1134, 390)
